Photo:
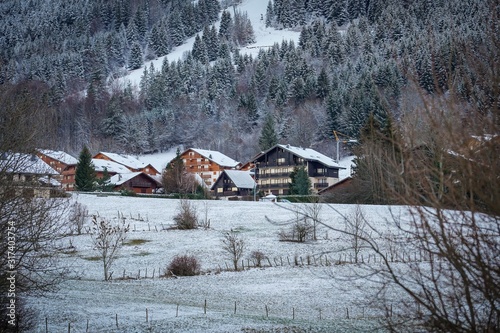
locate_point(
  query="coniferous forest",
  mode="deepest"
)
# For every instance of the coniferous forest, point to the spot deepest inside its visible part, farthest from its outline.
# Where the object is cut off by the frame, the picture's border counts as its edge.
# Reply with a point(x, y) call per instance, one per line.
point(354, 59)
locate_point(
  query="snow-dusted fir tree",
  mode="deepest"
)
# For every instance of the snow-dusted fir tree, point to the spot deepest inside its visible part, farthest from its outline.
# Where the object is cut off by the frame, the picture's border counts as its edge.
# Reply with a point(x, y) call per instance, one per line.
point(85, 171)
point(135, 58)
point(268, 137)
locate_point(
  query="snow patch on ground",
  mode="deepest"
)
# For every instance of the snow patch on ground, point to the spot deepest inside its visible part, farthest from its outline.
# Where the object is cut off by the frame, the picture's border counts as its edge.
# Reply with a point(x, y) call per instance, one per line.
point(295, 285)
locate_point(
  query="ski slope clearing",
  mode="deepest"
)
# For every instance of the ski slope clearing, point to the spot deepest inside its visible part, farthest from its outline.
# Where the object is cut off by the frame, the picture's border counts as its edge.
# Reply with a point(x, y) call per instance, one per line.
point(264, 37)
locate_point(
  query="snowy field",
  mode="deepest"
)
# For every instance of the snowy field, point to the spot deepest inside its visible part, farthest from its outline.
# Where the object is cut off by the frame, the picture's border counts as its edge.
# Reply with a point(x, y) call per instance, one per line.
point(294, 292)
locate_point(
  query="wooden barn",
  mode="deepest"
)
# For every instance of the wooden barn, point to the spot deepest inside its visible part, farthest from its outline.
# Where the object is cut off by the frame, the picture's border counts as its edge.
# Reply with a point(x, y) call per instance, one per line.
point(138, 182)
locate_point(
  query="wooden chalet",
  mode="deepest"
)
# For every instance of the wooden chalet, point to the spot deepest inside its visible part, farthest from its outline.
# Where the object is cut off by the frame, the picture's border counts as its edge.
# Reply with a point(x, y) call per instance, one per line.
point(138, 182)
point(63, 163)
point(128, 161)
point(273, 168)
point(208, 164)
point(30, 175)
point(233, 183)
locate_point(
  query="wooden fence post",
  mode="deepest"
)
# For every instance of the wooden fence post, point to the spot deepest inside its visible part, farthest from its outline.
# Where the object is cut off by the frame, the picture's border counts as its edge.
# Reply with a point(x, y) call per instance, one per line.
point(146, 315)
point(177, 311)
point(116, 320)
point(205, 307)
point(69, 327)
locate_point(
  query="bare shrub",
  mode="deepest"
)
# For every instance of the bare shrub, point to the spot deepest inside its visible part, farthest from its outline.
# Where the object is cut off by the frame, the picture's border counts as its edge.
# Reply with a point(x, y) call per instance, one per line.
point(184, 266)
point(187, 217)
point(258, 256)
point(233, 246)
point(299, 231)
point(77, 214)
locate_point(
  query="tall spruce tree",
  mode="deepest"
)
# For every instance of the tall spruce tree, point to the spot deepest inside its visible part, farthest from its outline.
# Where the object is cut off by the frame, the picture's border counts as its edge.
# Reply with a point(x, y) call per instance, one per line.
point(300, 182)
point(268, 137)
point(85, 171)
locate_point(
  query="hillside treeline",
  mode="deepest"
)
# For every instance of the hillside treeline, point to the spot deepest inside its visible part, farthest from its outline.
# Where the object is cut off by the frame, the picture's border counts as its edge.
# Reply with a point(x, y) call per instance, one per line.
point(353, 59)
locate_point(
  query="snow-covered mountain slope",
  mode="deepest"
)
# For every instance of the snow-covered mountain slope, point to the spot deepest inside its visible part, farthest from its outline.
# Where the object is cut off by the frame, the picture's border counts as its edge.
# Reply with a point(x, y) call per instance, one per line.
point(264, 37)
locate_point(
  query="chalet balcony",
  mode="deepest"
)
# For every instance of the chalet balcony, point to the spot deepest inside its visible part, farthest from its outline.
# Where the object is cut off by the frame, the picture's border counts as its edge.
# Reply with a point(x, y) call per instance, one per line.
point(321, 185)
point(140, 184)
point(266, 186)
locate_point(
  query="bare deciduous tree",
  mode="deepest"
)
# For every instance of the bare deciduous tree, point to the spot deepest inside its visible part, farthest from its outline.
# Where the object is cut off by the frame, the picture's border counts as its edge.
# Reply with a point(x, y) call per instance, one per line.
point(233, 246)
point(107, 240)
point(355, 225)
point(313, 210)
point(30, 228)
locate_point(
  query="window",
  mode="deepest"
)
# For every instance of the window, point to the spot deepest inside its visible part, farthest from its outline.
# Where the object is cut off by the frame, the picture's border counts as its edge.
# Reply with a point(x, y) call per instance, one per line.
point(321, 171)
point(219, 190)
point(281, 160)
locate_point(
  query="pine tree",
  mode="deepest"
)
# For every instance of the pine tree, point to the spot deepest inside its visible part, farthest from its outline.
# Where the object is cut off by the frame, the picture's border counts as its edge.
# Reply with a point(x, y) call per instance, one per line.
point(268, 137)
point(226, 26)
point(85, 172)
point(300, 182)
point(323, 85)
point(270, 17)
point(135, 59)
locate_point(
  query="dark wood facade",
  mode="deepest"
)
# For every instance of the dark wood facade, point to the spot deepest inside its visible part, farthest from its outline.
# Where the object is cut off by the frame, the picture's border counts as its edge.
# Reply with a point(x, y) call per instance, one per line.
point(226, 187)
point(274, 166)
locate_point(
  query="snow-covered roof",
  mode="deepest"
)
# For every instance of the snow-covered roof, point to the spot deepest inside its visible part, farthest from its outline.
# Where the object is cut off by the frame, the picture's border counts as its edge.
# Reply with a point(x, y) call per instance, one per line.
point(241, 179)
point(311, 155)
point(111, 166)
point(127, 160)
point(217, 157)
point(60, 156)
point(25, 164)
point(121, 178)
point(49, 181)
